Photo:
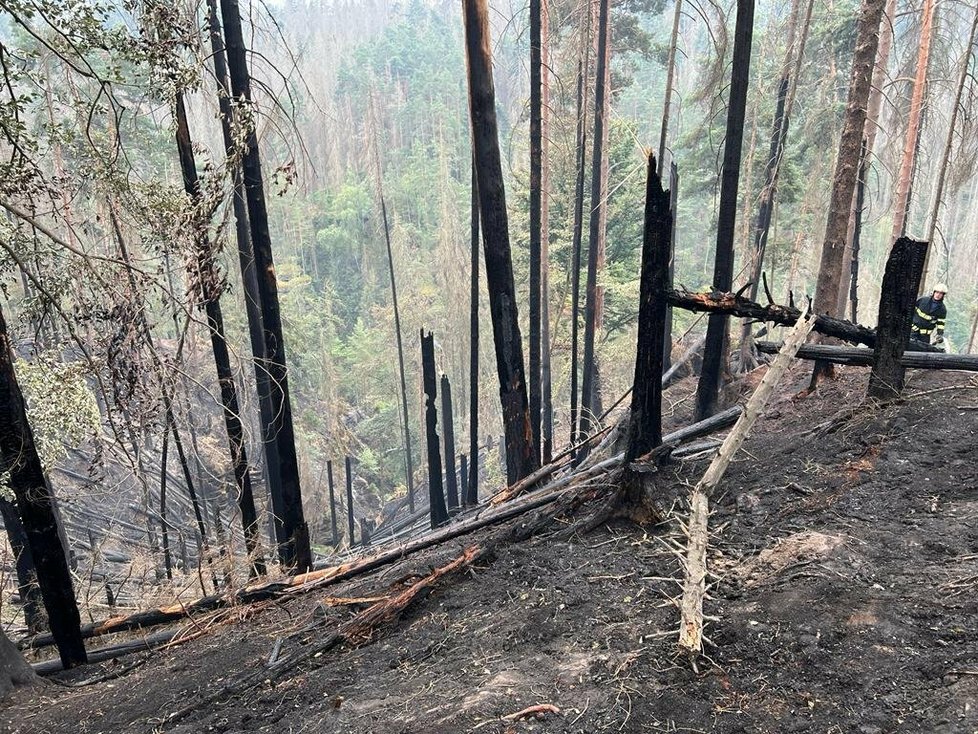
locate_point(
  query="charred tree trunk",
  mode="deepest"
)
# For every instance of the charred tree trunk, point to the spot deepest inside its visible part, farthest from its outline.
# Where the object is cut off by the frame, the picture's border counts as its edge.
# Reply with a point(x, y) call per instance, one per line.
point(764, 212)
point(349, 499)
point(846, 166)
point(708, 388)
point(645, 416)
point(27, 587)
point(472, 486)
point(520, 459)
point(295, 552)
point(249, 277)
point(408, 459)
point(589, 409)
point(673, 204)
point(436, 493)
point(546, 378)
point(576, 249)
point(901, 279)
point(448, 426)
point(857, 229)
point(332, 504)
point(165, 531)
point(670, 76)
point(536, 206)
point(34, 498)
point(211, 287)
point(464, 470)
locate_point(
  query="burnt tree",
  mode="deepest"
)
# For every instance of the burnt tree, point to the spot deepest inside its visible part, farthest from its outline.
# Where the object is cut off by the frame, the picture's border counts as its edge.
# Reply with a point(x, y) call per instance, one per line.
point(673, 204)
point(35, 503)
point(471, 488)
point(436, 494)
point(520, 459)
point(448, 426)
point(577, 238)
point(536, 209)
point(332, 504)
point(708, 388)
point(249, 277)
point(589, 379)
point(294, 551)
point(210, 287)
point(645, 416)
point(349, 498)
point(898, 294)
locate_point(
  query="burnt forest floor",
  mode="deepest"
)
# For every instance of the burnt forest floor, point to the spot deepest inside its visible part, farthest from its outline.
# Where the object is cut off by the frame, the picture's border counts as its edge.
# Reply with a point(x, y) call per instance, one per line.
point(847, 556)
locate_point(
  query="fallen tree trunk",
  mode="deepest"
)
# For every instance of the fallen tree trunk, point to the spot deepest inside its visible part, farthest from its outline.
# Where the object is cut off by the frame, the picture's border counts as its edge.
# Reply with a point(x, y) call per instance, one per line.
point(735, 305)
point(356, 632)
point(694, 587)
point(337, 573)
point(861, 357)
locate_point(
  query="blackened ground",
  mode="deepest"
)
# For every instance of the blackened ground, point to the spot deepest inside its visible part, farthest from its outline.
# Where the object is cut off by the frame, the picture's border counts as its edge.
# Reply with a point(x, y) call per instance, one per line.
point(847, 554)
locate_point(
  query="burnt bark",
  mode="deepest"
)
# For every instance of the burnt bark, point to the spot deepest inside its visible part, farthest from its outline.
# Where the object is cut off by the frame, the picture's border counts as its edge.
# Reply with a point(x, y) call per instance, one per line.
point(708, 388)
point(210, 288)
point(27, 587)
point(577, 238)
point(471, 490)
point(294, 552)
point(857, 229)
point(349, 499)
point(589, 381)
point(249, 276)
point(34, 499)
point(436, 493)
point(898, 294)
point(448, 426)
point(332, 504)
point(536, 205)
point(645, 416)
point(670, 277)
point(495, 226)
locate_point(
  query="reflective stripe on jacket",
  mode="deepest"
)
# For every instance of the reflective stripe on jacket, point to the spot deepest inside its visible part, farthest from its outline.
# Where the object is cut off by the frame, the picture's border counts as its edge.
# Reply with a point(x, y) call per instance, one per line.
point(929, 316)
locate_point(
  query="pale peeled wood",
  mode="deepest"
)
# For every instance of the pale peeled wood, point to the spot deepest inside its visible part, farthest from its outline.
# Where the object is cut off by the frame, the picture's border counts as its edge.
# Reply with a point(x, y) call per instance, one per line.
point(694, 587)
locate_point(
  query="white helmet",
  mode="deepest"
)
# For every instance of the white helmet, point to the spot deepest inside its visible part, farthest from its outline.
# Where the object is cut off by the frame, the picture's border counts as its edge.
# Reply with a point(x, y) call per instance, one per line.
point(940, 288)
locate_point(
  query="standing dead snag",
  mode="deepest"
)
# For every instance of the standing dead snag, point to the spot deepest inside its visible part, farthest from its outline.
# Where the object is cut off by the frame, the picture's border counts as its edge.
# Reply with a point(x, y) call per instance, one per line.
point(694, 588)
point(520, 459)
point(349, 499)
point(332, 504)
point(35, 502)
point(448, 426)
point(290, 524)
point(708, 387)
point(645, 416)
point(436, 493)
point(901, 279)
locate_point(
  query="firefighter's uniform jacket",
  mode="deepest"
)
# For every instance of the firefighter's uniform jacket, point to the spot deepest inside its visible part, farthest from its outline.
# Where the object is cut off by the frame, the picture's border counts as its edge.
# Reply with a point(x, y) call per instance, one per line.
point(928, 316)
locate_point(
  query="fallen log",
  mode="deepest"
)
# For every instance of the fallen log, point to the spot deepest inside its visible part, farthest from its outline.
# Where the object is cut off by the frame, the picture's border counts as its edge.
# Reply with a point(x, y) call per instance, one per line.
point(341, 572)
point(358, 631)
point(735, 305)
point(861, 357)
point(694, 586)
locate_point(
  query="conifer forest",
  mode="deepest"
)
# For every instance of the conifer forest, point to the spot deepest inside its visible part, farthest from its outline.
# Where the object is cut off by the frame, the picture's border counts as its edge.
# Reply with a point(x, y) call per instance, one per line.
point(386, 366)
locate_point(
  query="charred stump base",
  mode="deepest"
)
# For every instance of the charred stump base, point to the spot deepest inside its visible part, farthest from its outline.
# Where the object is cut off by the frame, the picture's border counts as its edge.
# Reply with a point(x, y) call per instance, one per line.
point(634, 496)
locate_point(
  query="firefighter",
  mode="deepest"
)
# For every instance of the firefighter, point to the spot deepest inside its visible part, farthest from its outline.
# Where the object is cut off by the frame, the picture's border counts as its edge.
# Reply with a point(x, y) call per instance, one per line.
point(929, 316)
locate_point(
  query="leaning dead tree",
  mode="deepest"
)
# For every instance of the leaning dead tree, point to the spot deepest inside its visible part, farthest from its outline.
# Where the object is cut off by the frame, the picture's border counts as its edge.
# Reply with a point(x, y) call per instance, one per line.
point(694, 587)
point(520, 458)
